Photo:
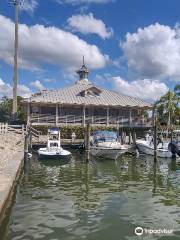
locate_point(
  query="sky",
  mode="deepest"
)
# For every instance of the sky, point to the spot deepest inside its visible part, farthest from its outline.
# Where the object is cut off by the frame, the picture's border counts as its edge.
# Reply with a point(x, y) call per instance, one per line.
point(130, 46)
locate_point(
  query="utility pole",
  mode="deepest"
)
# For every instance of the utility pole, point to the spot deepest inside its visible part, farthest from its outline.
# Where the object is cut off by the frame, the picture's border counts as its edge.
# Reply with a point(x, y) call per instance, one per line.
point(16, 4)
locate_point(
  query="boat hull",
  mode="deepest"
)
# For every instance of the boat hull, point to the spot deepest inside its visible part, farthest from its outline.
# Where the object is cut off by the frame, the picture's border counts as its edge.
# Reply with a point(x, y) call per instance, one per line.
point(108, 153)
point(149, 150)
point(53, 154)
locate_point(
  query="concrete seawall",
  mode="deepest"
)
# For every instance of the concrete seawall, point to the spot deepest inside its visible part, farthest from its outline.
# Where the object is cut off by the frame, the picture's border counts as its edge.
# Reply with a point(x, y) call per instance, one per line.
point(11, 161)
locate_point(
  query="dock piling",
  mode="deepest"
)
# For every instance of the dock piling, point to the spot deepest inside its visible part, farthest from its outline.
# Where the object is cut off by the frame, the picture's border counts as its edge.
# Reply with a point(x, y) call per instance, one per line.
point(26, 143)
point(30, 141)
point(155, 143)
point(134, 138)
point(87, 141)
point(130, 137)
point(155, 133)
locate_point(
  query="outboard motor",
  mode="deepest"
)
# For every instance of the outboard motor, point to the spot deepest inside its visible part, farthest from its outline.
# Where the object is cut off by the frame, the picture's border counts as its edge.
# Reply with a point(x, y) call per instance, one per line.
point(174, 149)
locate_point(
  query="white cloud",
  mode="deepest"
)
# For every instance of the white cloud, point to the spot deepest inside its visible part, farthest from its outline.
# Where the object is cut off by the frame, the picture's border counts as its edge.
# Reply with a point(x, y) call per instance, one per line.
point(6, 90)
point(146, 89)
point(29, 5)
point(79, 2)
point(88, 24)
point(37, 85)
point(39, 44)
point(154, 51)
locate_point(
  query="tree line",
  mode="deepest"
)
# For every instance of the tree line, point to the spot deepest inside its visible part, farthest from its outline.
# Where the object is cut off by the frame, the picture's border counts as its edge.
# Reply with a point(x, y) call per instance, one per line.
point(6, 105)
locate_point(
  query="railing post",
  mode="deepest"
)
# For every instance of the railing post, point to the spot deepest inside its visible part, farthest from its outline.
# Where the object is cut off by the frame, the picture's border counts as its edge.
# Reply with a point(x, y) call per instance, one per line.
point(6, 127)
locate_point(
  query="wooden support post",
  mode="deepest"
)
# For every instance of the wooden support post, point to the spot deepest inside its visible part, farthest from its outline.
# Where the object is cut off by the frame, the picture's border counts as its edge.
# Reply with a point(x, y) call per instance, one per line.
point(130, 137)
point(130, 117)
point(30, 141)
point(28, 114)
point(134, 138)
point(26, 142)
point(155, 135)
point(143, 119)
point(155, 143)
point(122, 137)
point(107, 117)
point(84, 116)
point(87, 141)
point(57, 115)
point(88, 133)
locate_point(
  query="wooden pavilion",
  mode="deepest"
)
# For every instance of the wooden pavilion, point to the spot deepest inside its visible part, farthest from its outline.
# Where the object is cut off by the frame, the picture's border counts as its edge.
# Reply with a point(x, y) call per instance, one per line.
point(84, 103)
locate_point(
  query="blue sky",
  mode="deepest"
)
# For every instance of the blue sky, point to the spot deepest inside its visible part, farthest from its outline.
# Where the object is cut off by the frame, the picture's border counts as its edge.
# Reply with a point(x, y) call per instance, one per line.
point(55, 34)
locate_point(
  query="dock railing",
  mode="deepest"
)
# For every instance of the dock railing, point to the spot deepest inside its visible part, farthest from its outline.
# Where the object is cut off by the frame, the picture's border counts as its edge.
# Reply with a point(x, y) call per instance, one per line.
point(34, 132)
point(5, 128)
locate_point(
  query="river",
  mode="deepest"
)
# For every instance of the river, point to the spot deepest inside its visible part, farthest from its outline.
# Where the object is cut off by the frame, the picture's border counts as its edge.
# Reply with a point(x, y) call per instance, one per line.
point(99, 200)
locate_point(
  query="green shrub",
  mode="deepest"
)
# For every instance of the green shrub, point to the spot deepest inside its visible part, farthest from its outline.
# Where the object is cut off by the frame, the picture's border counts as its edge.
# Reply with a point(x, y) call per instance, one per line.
point(66, 131)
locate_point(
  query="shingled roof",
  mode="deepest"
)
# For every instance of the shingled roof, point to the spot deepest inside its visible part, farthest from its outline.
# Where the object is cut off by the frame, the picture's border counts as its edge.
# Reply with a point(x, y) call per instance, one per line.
point(72, 95)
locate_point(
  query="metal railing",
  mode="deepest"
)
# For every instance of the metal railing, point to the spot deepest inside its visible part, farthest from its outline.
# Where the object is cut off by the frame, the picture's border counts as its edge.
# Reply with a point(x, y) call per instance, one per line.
point(79, 120)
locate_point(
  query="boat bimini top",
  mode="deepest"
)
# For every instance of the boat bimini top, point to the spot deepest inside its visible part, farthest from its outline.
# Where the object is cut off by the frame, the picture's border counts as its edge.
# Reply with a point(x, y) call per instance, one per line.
point(104, 136)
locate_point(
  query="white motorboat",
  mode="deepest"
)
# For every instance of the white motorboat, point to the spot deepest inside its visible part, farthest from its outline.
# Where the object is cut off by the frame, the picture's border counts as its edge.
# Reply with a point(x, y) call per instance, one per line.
point(164, 148)
point(105, 144)
point(53, 148)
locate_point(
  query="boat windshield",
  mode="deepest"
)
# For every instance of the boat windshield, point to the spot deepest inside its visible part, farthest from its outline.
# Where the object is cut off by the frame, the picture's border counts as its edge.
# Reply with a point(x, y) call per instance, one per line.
point(54, 144)
point(104, 136)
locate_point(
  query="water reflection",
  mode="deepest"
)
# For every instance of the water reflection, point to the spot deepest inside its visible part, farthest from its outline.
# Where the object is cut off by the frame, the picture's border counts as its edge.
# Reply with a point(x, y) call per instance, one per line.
point(95, 200)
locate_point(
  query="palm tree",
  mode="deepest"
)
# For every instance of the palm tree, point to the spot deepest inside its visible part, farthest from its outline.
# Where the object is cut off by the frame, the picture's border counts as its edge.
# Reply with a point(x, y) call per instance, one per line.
point(6, 109)
point(167, 106)
point(177, 90)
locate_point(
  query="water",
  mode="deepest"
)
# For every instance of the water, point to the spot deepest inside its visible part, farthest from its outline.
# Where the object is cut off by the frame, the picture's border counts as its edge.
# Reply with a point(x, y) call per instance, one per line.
point(100, 200)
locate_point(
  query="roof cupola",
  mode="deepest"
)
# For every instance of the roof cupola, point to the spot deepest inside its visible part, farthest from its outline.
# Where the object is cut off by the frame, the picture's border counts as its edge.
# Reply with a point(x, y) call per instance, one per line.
point(83, 72)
